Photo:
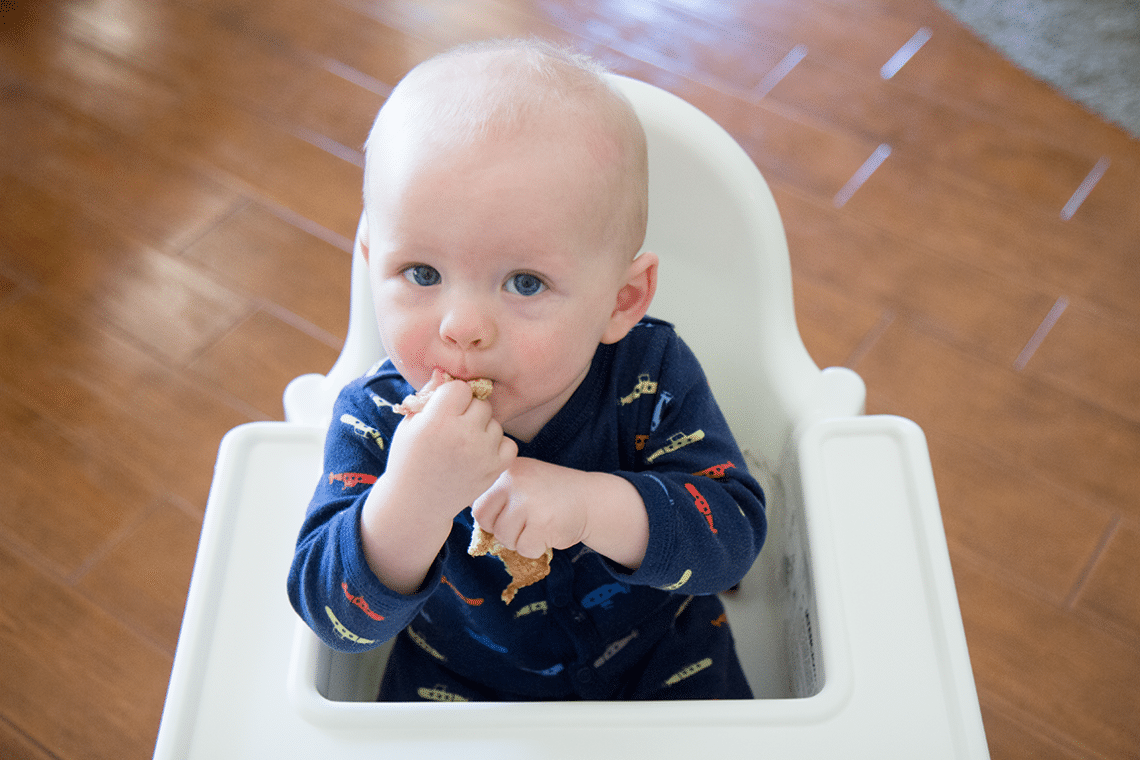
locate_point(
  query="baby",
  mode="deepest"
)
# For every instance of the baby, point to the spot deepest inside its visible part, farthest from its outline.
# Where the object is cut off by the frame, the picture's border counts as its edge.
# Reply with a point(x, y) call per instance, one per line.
point(505, 208)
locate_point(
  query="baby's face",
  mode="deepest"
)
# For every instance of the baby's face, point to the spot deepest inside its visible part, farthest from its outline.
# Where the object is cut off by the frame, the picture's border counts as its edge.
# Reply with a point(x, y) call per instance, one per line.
point(491, 261)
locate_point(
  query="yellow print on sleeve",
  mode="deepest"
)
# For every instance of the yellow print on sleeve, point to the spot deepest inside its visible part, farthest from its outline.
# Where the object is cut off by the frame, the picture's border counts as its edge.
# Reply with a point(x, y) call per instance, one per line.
point(343, 632)
point(361, 429)
point(381, 403)
point(644, 386)
point(684, 579)
point(676, 441)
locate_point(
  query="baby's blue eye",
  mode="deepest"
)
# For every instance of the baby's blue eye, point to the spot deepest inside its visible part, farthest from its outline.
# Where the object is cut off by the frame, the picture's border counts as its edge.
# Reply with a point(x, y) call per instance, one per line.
point(525, 284)
point(423, 275)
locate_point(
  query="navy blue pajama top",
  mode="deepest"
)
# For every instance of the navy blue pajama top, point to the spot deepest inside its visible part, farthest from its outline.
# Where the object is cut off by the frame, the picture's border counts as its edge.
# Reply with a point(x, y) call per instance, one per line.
point(644, 412)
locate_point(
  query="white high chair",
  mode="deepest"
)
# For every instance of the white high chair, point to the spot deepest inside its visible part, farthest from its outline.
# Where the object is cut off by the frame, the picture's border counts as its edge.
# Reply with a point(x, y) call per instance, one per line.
point(848, 626)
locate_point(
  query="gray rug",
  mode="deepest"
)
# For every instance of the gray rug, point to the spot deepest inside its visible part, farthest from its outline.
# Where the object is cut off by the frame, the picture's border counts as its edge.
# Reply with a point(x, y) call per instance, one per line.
point(1088, 49)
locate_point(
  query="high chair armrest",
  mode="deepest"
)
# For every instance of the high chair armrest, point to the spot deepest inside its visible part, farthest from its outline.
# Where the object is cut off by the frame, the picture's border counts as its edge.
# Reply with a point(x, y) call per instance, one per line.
point(883, 580)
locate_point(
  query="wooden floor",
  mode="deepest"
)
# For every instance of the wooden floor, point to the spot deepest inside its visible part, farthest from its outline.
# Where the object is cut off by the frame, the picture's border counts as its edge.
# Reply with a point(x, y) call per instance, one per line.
point(180, 181)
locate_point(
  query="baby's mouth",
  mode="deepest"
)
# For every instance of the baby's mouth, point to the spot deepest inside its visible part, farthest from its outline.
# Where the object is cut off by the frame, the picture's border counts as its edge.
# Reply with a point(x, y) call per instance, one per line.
point(464, 374)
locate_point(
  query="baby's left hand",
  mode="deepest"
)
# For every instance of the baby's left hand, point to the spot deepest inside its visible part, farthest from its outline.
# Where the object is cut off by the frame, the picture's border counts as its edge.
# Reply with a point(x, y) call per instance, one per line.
point(535, 505)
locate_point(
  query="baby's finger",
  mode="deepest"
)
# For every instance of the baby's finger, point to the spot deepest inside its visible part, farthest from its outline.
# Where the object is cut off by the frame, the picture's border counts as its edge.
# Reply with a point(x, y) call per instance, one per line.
point(480, 413)
point(529, 545)
point(508, 452)
point(490, 504)
point(449, 399)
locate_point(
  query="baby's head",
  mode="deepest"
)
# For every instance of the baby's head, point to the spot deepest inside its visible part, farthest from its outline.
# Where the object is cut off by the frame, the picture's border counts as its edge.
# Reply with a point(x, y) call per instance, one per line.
point(510, 91)
point(505, 205)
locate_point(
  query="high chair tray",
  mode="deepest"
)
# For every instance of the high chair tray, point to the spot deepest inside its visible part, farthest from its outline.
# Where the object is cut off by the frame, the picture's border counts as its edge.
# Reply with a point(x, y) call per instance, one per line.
point(887, 666)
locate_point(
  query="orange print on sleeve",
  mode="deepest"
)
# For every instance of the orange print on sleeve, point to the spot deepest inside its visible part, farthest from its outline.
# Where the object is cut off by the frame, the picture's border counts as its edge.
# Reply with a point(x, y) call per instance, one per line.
point(702, 504)
point(351, 479)
point(716, 471)
point(361, 603)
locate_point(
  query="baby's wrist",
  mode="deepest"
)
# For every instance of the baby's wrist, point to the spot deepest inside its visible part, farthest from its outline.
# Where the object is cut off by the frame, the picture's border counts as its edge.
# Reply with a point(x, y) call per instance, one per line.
point(400, 541)
point(617, 524)
point(394, 509)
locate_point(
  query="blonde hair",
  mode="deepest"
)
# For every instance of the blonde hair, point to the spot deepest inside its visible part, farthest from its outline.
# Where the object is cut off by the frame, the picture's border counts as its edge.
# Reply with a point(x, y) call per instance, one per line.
point(497, 89)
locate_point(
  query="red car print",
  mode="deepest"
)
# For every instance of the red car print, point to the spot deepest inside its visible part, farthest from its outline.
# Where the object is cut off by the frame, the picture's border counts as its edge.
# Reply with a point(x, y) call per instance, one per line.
point(359, 602)
point(472, 602)
point(716, 471)
point(351, 479)
point(702, 504)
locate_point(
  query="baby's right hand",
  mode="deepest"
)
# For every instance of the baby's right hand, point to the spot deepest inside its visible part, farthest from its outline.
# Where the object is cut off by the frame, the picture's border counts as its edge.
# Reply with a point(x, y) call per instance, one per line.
point(450, 453)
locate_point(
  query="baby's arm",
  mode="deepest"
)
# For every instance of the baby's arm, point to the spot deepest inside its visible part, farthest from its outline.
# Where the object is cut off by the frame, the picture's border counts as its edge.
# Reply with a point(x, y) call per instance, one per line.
point(332, 582)
point(706, 513)
point(441, 460)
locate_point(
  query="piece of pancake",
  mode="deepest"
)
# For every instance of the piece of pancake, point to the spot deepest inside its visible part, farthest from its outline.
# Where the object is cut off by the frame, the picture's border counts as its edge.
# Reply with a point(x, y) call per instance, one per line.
point(414, 403)
point(523, 570)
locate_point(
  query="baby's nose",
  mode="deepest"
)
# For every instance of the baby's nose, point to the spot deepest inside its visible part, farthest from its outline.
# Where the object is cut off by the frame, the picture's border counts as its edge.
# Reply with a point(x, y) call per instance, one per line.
point(468, 324)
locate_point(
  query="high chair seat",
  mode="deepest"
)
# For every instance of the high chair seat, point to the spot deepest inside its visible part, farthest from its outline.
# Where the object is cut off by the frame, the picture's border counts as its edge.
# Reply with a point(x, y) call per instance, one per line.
point(848, 625)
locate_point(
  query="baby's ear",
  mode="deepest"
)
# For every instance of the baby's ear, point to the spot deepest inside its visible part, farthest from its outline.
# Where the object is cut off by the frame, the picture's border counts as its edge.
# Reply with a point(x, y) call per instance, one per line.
point(362, 236)
point(633, 298)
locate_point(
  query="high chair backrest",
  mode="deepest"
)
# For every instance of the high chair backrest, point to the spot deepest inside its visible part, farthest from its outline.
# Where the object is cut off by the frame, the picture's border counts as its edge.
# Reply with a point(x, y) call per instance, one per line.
point(725, 282)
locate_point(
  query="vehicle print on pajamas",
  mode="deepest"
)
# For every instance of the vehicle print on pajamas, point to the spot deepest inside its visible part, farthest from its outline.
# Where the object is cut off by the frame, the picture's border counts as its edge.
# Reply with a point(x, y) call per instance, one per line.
point(471, 602)
point(582, 552)
point(487, 642)
point(644, 387)
point(351, 479)
point(343, 632)
point(439, 693)
point(421, 642)
point(553, 670)
point(662, 400)
point(380, 402)
point(639, 442)
point(603, 596)
point(702, 504)
point(614, 648)
point(362, 430)
point(531, 609)
point(688, 671)
point(676, 441)
point(360, 602)
point(685, 576)
point(717, 471)
point(684, 606)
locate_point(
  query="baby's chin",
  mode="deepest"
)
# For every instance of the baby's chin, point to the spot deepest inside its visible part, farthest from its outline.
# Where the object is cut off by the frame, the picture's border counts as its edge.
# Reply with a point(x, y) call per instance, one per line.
point(523, 418)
